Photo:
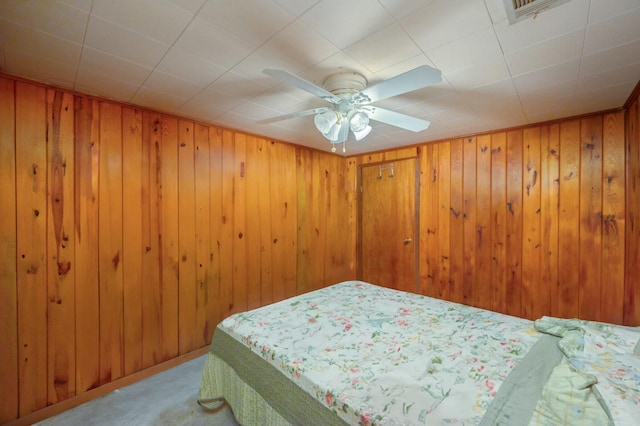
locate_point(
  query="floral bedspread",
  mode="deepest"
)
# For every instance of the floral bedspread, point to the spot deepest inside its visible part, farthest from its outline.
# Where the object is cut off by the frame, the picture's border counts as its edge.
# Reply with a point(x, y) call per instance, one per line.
point(608, 357)
point(385, 357)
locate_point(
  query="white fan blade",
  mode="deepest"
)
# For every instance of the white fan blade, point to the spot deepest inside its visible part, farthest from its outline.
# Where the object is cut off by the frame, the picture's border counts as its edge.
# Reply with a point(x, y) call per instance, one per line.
point(414, 79)
point(294, 80)
point(293, 115)
point(396, 119)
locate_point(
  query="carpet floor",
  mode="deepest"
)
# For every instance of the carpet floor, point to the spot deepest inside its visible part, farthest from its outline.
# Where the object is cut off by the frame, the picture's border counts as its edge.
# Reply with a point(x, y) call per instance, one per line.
point(168, 398)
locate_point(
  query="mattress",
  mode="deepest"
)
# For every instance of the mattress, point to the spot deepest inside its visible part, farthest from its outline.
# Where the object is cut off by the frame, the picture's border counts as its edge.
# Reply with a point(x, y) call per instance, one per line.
point(355, 353)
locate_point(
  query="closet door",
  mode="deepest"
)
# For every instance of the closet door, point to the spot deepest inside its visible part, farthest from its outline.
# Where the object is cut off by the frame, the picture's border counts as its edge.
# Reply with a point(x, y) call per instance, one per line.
point(388, 240)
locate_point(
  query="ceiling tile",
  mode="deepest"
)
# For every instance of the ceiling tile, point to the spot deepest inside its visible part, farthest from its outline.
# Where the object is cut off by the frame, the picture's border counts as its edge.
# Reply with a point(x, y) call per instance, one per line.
point(293, 49)
point(297, 7)
point(213, 44)
point(60, 74)
point(622, 74)
point(401, 8)
point(237, 86)
point(613, 32)
point(191, 6)
point(602, 98)
point(548, 53)
point(545, 77)
point(254, 22)
point(610, 59)
point(105, 65)
point(60, 20)
point(552, 23)
point(479, 74)
point(444, 21)
point(167, 83)
point(497, 10)
point(462, 52)
point(120, 42)
point(93, 83)
point(344, 23)
point(601, 10)
point(158, 100)
point(142, 17)
point(390, 44)
point(13, 36)
point(190, 67)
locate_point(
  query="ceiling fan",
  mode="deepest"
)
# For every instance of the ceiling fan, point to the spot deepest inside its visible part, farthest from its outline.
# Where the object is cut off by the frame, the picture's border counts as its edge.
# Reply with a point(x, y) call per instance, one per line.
point(351, 102)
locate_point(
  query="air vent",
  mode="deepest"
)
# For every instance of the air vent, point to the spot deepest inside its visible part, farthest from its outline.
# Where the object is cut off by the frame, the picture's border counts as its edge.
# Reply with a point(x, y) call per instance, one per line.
point(517, 10)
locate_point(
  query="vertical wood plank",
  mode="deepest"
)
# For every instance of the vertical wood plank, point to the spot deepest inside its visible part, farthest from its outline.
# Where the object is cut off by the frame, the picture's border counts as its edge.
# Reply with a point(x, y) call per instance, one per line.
point(456, 252)
point(8, 259)
point(134, 280)
point(549, 204)
point(254, 224)
point(470, 292)
point(215, 198)
point(483, 225)
point(429, 221)
point(283, 190)
point(632, 234)
point(240, 262)
point(569, 224)
point(338, 257)
point(499, 288)
point(169, 236)
point(590, 217)
point(204, 255)
point(87, 166)
point(61, 337)
point(150, 248)
point(535, 293)
point(227, 289)
point(110, 244)
point(613, 208)
point(264, 215)
point(186, 239)
point(31, 208)
point(514, 222)
point(444, 220)
point(311, 229)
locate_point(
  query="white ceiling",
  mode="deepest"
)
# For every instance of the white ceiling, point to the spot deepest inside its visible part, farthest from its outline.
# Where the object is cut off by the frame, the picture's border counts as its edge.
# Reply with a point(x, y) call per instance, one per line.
point(203, 59)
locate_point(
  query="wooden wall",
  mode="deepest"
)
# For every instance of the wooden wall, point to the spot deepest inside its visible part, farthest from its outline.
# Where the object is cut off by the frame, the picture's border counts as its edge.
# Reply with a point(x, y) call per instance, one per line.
point(533, 221)
point(632, 252)
point(126, 235)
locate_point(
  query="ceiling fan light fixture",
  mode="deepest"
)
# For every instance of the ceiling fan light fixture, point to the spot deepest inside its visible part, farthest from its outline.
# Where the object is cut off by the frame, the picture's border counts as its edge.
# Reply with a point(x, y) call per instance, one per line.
point(324, 121)
point(333, 133)
point(359, 121)
point(362, 133)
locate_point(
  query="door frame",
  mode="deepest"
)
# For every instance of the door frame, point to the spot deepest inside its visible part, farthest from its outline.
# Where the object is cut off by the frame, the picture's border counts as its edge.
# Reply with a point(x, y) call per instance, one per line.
point(416, 231)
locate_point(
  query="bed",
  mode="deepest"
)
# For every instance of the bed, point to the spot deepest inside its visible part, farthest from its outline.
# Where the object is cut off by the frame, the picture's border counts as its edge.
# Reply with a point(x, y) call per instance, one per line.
point(359, 354)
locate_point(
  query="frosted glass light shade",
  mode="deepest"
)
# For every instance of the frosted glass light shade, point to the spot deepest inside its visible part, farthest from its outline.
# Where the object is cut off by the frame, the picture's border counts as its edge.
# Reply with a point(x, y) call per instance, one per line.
point(333, 133)
point(325, 120)
point(359, 122)
point(362, 133)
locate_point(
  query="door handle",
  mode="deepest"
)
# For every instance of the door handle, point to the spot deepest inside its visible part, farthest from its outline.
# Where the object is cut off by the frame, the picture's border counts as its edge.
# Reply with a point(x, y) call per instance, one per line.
point(407, 240)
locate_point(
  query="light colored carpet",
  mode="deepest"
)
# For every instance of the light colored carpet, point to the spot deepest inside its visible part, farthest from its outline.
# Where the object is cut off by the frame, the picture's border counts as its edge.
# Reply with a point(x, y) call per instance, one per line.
point(168, 398)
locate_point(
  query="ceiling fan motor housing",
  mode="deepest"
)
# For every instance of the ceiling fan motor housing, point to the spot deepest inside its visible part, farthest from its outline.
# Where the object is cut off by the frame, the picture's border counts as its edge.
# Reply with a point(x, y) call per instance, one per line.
point(345, 83)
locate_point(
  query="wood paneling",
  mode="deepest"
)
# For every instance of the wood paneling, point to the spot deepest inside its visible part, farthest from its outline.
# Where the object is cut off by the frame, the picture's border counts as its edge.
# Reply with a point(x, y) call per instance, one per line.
point(111, 210)
point(61, 336)
point(8, 254)
point(544, 219)
point(632, 217)
point(31, 248)
point(129, 234)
